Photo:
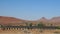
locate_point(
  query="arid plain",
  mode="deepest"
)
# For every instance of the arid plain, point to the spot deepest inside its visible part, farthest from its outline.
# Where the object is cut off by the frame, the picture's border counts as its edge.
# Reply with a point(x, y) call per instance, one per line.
point(14, 21)
point(35, 31)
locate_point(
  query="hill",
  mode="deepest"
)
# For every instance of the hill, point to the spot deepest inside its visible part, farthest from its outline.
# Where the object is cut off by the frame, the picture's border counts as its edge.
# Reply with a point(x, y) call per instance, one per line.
point(11, 20)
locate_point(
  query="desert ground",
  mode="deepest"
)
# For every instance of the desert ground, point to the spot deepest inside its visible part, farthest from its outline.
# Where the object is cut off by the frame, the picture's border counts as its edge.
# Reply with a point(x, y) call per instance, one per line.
point(33, 31)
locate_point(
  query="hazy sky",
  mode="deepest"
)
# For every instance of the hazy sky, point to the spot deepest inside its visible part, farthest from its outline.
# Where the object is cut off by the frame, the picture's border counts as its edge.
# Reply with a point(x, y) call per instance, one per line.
point(30, 9)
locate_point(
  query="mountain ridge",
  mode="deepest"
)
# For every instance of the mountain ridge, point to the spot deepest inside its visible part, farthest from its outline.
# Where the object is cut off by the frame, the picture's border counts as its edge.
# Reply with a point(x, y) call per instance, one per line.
point(7, 20)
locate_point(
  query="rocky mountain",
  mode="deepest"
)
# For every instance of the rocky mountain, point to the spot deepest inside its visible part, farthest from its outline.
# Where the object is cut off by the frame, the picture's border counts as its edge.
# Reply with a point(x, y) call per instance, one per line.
point(55, 19)
point(9, 20)
point(43, 20)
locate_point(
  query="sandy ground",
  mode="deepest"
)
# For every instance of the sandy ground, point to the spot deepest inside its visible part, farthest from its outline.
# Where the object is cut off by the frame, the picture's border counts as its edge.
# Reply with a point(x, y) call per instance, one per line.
point(33, 31)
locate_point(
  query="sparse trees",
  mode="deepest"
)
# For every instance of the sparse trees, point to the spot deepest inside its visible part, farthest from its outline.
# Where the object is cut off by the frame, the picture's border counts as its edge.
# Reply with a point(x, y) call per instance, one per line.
point(30, 24)
point(40, 25)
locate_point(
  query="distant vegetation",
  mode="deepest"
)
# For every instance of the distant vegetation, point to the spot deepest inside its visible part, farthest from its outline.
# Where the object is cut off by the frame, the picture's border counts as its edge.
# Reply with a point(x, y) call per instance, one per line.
point(30, 26)
point(40, 25)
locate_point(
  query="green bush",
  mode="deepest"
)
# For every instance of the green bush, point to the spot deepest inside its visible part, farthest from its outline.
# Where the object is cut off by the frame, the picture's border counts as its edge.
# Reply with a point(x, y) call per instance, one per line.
point(30, 24)
point(40, 25)
point(58, 27)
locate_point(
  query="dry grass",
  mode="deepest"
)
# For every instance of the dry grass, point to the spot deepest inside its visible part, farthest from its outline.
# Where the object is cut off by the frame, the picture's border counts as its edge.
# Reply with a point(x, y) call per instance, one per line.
point(33, 31)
